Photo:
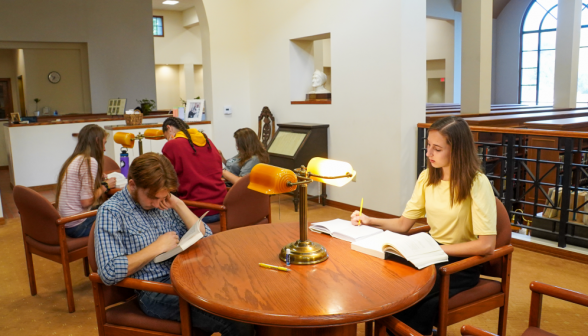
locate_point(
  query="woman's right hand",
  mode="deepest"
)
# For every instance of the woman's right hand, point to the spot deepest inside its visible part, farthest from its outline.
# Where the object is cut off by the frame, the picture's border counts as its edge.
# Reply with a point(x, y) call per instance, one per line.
point(355, 217)
point(111, 183)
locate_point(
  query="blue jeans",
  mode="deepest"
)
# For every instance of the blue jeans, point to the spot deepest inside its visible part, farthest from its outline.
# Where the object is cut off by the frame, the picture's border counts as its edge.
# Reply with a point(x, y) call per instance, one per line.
point(82, 230)
point(211, 218)
point(167, 307)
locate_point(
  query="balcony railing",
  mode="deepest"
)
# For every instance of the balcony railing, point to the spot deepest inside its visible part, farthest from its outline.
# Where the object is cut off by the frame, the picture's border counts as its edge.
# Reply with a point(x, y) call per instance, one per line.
point(539, 175)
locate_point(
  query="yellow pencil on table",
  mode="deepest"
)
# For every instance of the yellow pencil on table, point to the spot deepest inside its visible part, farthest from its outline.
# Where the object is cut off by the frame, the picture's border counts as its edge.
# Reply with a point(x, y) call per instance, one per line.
point(360, 209)
point(274, 267)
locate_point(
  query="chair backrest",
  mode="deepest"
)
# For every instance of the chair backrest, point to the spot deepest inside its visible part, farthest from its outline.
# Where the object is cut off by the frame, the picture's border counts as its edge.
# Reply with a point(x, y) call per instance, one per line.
point(109, 165)
point(503, 235)
point(38, 217)
point(112, 294)
point(245, 206)
point(268, 131)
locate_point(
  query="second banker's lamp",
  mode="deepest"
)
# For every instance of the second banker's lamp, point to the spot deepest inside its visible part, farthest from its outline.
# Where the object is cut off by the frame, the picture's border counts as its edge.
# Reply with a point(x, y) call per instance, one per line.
point(127, 140)
point(273, 180)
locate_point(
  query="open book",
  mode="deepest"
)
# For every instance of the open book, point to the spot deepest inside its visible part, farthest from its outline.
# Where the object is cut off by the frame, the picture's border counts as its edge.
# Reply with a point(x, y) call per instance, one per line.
point(420, 249)
point(190, 238)
point(344, 230)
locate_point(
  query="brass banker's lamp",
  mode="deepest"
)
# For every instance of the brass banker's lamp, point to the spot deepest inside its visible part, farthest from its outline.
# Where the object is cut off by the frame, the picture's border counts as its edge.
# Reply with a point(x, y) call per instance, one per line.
point(273, 180)
point(127, 140)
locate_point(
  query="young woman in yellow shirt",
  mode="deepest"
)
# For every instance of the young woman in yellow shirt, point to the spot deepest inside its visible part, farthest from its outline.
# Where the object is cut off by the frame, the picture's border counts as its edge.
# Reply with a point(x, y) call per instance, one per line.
point(459, 203)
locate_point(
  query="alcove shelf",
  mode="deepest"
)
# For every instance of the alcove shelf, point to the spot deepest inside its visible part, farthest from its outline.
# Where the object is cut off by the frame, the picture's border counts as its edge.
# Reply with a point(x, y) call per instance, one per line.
point(311, 102)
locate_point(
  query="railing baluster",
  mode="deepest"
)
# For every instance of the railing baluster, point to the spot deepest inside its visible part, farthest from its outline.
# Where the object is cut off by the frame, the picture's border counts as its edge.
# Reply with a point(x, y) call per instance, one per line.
point(510, 156)
point(565, 198)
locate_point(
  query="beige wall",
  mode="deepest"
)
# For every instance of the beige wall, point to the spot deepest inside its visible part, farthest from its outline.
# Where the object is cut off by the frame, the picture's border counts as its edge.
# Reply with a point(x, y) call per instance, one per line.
point(179, 45)
point(440, 46)
point(198, 81)
point(378, 99)
point(167, 78)
point(69, 95)
point(118, 34)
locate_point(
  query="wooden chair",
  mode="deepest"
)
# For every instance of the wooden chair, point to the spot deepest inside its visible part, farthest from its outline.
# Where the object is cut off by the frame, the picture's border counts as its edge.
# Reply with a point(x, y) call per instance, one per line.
point(115, 319)
point(268, 131)
point(43, 231)
point(487, 295)
point(241, 207)
point(109, 165)
point(538, 289)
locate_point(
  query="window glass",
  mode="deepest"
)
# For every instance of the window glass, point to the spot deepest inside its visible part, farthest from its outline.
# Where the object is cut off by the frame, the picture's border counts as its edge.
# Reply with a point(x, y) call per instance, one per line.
point(530, 41)
point(529, 93)
point(548, 40)
point(583, 74)
point(529, 77)
point(529, 59)
point(547, 4)
point(585, 14)
point(550, 20)
point(157, 26)
point(534, 17)
point(546, 76)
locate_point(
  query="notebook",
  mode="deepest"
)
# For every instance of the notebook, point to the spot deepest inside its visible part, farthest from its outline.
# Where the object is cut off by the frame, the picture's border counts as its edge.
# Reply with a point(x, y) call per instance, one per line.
point(420, 249)
point(343, 229)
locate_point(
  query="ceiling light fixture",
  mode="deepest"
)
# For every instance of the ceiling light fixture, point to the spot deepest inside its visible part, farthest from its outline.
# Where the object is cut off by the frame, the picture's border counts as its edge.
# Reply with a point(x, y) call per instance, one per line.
point(170, 2)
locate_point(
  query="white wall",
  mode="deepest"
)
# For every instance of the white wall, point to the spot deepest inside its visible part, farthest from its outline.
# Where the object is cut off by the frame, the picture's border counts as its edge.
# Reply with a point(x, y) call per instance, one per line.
point(119, 36)
point(508, 48)
point(178, 45)
point(440, 46)
point(378, 70)
point(198, 81)
point(167, 79)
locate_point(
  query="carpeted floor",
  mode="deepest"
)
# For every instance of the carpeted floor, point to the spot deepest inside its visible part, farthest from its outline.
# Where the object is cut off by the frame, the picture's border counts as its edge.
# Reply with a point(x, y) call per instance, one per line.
point(46, 313)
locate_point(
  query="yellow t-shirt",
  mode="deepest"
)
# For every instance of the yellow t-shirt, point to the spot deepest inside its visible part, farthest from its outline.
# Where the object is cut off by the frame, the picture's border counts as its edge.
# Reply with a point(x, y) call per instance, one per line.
point(475, 216)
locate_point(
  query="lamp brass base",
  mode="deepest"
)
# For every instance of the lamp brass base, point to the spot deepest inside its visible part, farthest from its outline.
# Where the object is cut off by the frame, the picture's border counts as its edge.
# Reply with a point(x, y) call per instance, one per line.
point(304, 253)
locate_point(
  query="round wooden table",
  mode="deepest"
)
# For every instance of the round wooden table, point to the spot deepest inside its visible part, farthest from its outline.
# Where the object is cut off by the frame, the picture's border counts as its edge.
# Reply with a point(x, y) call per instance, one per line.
point(221, 275)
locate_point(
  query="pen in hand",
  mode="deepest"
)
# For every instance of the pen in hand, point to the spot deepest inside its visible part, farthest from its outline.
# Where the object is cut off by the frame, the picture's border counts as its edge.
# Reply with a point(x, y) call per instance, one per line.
point(360, 209)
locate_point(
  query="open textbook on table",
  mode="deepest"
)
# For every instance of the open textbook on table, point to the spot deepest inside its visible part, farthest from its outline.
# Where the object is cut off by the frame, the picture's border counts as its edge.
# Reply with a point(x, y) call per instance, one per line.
point(343, 229)
point(420, 249)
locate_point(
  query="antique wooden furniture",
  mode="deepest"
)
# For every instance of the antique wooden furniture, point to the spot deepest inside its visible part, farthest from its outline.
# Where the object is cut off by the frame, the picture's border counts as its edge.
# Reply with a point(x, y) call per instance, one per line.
point(115, 319)
point(434, 116)
point(322, 299)
point(295, 144)
point(486, 296)
point(519, 119)
point(538, 289)
point(241, 207)
point(43, 231)
point(267, 132)
point(579, 124)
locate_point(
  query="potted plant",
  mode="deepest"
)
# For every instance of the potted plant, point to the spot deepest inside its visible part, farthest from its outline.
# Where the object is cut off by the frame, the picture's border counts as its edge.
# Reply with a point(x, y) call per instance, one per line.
point(37, 100)
point(147, 105)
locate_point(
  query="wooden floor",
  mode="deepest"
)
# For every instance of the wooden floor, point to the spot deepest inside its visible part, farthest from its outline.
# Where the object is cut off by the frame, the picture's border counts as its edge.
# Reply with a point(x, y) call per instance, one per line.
point(46, 313)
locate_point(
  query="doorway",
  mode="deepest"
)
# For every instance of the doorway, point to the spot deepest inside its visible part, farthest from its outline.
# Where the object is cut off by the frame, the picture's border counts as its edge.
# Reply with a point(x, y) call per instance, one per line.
point(6, 106)
point(436, 90)
point(21, 96)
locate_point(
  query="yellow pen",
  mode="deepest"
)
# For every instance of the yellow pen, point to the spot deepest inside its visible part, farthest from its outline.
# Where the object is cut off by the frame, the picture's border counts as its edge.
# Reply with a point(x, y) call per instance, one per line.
point(360, 209)
point(274, 267)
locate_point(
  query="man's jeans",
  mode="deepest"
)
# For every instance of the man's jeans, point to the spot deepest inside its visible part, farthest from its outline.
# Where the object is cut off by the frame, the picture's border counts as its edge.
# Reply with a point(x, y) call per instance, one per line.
point(167, 307)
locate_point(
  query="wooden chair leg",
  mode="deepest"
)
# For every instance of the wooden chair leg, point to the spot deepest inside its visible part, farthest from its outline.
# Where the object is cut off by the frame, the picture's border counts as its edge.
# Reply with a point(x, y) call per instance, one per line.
point(369, 328)
point(68, 286)
point(380, 329)
point(30, 269)
point(100, 308)
point(86, 267)
point(502, 320)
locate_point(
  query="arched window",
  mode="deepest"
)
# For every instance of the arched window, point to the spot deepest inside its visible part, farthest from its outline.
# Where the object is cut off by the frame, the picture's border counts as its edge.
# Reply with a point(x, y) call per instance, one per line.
point(538, 54)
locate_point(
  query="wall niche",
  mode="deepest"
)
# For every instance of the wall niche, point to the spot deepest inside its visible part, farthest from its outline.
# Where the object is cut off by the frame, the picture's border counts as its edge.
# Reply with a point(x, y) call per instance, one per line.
point(308, 54)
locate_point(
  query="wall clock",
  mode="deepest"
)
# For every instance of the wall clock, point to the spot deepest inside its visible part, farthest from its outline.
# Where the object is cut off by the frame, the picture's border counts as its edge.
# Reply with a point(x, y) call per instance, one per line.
point(54, 77)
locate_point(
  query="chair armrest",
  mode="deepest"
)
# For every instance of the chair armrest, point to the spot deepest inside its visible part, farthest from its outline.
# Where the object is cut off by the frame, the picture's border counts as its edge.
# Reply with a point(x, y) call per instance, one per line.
point(473, 331)
point(68, 219)
point(113, 191)
point(397, 327)
point(144, 285)
point(475, 260)
point(205, 205)
point(418, 229)
point(559, 293)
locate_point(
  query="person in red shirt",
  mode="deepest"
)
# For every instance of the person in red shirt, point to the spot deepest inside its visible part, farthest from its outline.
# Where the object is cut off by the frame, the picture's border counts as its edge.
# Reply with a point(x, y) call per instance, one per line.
point(198, 165)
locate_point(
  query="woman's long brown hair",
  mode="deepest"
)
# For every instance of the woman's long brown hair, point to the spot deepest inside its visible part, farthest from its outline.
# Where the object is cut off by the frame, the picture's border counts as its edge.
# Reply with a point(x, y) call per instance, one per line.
point(464, 161)
point(90, 145)
point(248, 145)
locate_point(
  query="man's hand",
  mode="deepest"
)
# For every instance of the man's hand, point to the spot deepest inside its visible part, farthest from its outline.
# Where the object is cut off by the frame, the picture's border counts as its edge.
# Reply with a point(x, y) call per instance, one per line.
point(170, 202)
point(167, 241)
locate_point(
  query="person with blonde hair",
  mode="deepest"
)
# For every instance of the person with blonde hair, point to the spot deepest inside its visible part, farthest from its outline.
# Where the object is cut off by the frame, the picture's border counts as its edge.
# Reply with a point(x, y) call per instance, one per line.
point(81, 183)
point(461, 210)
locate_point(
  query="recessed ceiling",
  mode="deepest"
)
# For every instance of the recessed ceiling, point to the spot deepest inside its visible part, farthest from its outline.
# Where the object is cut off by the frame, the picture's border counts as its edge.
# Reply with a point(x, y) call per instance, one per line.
point(183, 5)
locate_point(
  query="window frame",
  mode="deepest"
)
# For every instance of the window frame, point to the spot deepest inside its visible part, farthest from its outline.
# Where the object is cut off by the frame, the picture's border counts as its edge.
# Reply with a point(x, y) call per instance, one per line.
point(162, 26)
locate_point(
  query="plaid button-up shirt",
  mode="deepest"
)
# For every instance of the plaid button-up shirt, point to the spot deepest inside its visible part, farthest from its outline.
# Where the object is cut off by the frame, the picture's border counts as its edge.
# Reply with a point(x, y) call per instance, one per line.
point(122, 228)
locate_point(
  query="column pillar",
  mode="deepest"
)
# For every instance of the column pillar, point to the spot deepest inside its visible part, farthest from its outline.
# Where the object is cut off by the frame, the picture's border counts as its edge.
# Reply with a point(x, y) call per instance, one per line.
point(476, 56)
point(567, 53)
point(187, 86)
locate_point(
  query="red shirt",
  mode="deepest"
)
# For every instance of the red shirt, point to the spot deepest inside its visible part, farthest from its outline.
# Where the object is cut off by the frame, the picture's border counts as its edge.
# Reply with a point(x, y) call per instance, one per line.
point(199, 173)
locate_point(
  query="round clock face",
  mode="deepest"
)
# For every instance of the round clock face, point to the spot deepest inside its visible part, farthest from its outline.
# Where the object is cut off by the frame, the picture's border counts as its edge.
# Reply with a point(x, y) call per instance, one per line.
point(54, 77)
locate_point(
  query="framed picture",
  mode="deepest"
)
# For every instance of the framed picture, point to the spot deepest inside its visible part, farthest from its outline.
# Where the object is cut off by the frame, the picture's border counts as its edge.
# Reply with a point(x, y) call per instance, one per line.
point(194, 110)
point(116, 106)
point(15, 117)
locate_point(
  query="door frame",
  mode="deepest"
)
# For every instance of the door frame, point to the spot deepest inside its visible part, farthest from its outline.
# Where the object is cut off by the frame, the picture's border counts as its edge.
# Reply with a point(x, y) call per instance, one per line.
point(9, 106)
